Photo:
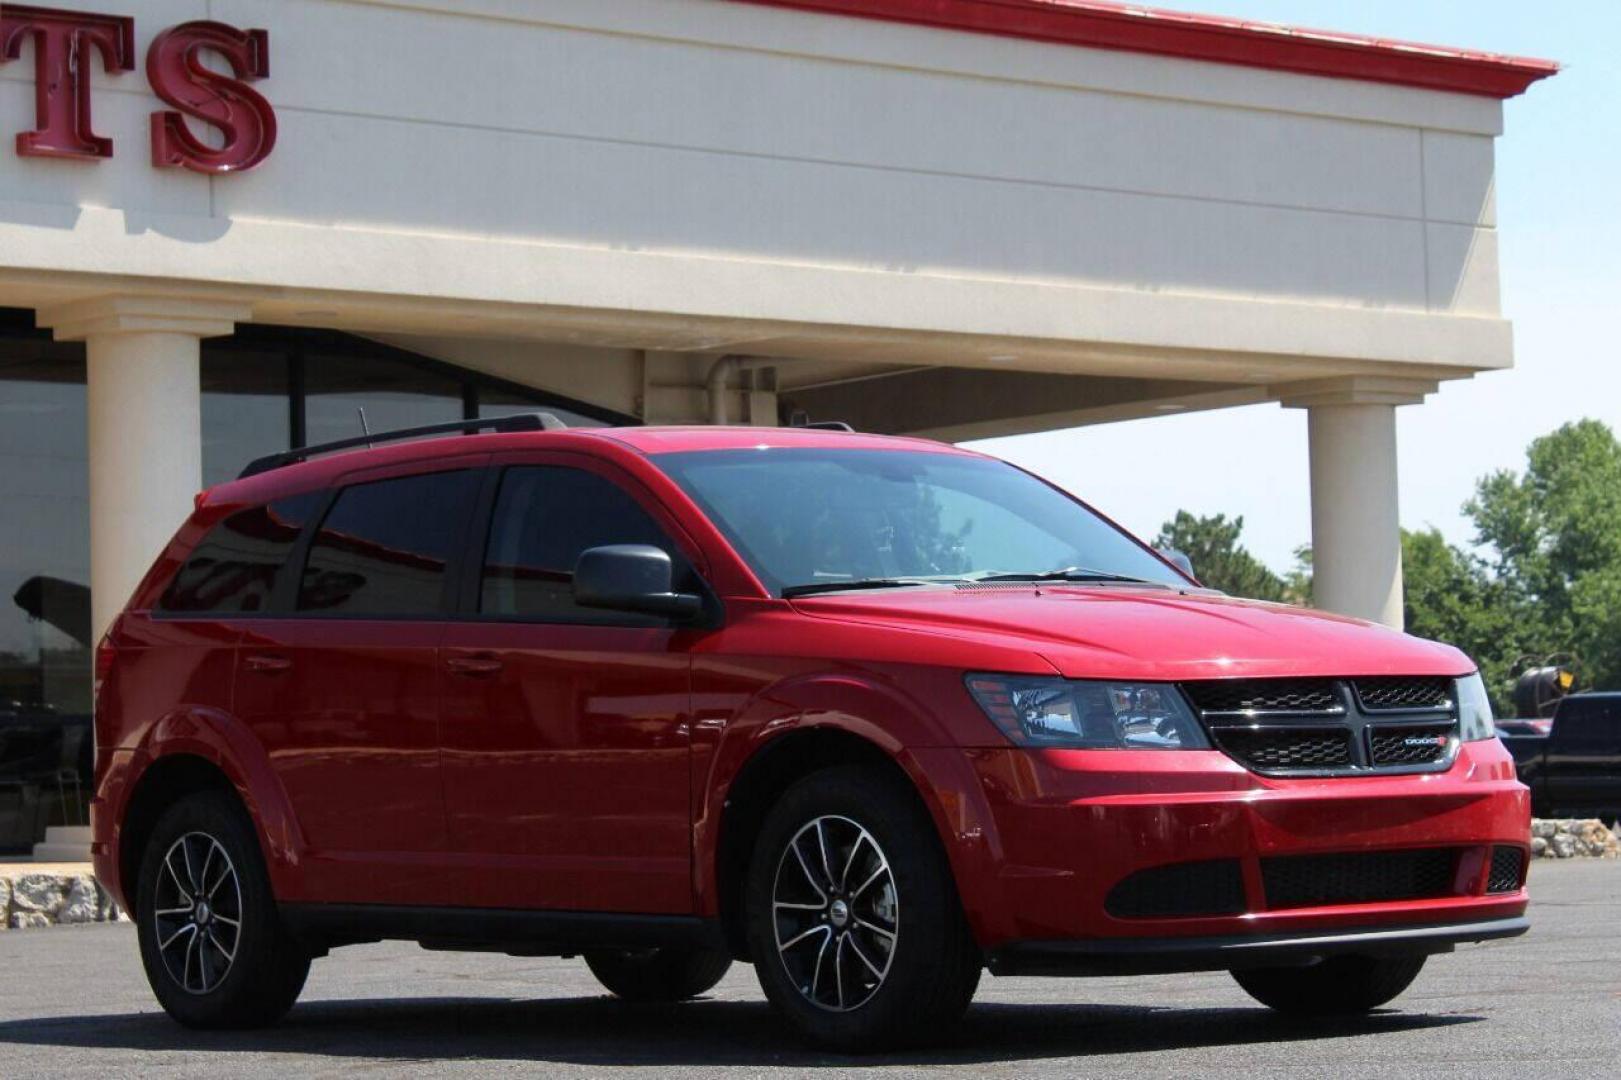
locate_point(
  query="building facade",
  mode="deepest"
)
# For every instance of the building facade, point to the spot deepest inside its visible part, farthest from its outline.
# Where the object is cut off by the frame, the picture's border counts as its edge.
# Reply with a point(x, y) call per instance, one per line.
point(228, 225)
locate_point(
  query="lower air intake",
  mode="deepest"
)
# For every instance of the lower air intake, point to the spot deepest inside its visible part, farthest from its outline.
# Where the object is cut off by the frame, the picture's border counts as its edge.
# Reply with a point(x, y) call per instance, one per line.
point(1297, 881)
point(1180, 891)
point(1507, 871)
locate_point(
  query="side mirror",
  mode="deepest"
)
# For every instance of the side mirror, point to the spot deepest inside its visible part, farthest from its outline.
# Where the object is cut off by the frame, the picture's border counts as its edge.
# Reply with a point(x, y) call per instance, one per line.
point(631, 577)
point(1180, 560)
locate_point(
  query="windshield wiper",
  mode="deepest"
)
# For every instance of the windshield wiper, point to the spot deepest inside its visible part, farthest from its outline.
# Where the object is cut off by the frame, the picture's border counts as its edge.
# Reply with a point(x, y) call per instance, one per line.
point(841, 586)
point(1072, 573)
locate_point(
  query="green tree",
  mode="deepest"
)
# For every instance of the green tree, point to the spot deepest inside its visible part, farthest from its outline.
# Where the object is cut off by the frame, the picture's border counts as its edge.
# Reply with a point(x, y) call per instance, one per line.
point(1554, 536)
point(1219, 560)
point(1453, 596)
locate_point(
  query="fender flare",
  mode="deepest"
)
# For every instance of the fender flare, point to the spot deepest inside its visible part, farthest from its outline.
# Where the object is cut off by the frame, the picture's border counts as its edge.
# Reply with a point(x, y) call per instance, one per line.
point(939, 771)
point(217, 737)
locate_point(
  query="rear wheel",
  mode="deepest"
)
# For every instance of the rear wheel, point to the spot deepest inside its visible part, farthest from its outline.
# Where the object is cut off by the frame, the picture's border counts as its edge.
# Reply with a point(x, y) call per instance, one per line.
point(211, 937)
point(658, 974)
point(1341, 985)
point(855, 928)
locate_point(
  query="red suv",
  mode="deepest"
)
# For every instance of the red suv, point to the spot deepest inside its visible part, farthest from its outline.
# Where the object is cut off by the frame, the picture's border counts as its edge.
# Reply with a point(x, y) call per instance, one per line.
point(871, 714)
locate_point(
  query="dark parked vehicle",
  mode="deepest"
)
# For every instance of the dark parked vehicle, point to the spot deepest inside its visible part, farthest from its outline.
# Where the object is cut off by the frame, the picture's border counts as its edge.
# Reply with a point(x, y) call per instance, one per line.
point(1573, 769)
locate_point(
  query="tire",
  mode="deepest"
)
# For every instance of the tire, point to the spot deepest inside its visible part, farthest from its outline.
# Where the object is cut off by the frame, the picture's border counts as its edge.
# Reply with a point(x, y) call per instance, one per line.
point(1339, 986)
point(205, 972)
point(658, 974)
point(904, 965)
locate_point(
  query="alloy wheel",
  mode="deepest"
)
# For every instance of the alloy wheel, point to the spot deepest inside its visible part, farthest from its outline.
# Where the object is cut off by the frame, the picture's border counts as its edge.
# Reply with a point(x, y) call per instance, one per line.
point(836, 913)
point(197, 913)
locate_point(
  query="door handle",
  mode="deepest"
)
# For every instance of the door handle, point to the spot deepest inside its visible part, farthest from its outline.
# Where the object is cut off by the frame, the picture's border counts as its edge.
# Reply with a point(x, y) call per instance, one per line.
point(268, 665)
point(474, 667)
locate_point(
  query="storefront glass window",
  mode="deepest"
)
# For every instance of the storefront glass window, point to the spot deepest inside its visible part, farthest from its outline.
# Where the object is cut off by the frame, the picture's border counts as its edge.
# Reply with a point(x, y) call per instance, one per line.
point(395, 395)
point(245, 409)
point(495, 402)
point(45, 655)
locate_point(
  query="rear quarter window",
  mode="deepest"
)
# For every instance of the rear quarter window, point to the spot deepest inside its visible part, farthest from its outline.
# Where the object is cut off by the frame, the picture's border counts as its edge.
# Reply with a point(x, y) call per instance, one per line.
point(233, 571)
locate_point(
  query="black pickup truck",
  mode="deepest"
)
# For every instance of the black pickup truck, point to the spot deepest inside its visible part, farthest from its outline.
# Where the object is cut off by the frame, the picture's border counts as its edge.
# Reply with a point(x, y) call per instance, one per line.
point(1574, 770)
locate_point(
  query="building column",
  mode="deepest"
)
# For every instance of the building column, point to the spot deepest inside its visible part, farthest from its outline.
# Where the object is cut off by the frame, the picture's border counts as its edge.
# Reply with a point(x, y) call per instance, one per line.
point(145, 422)
point(1355, 517)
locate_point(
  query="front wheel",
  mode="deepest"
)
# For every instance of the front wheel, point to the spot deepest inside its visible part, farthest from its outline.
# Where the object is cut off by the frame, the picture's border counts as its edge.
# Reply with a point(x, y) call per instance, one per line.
point(658, 974)
point(211, 937)
point(855, 928)
point(1339, 986)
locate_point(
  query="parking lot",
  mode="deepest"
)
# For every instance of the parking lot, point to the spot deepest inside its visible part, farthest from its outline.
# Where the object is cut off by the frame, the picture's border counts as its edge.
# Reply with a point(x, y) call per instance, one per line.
point(1547, 1005)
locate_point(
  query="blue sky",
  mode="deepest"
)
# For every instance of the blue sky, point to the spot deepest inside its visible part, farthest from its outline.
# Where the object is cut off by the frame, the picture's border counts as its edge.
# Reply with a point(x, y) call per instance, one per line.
point(1559, 207)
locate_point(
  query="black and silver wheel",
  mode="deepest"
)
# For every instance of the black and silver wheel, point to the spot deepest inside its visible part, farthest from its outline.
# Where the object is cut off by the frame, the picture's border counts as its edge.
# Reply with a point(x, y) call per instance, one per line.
point(211, 937)
point(197, 911)
point(837, 913)
point(1339, 986)
point(658, 974)
point(855, 928)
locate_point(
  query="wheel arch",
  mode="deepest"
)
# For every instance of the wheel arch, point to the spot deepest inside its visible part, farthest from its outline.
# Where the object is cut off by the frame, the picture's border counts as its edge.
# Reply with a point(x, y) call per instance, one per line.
point(775, 765)
point(205, 750)
point(164, 782)
point(938, 788)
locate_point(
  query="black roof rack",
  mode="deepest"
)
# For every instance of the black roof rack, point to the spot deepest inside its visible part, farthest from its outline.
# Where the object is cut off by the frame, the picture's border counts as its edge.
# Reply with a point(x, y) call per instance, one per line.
point(825, 425)
point(536, 421)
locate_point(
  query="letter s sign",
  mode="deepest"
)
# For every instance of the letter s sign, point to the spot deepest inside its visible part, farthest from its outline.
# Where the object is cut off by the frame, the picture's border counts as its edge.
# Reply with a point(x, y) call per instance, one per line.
point(243, 117)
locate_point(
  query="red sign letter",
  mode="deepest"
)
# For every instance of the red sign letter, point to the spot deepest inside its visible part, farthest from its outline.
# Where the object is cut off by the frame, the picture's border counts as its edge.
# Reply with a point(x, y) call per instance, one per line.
point(64, 42)
point(177, 75)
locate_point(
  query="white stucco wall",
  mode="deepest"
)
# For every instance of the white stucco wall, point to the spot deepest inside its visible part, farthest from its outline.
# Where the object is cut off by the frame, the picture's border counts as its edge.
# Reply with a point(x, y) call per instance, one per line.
point(710, 160)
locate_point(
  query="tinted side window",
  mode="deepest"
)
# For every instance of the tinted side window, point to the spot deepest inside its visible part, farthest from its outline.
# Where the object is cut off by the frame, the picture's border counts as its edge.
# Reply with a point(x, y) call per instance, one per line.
point(544, 518)
point(234, 569)
point(384, 546)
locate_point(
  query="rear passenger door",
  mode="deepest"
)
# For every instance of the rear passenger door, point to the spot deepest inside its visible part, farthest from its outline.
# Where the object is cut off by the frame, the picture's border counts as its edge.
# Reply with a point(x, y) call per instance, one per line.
point(565, 728)
point(342, 685)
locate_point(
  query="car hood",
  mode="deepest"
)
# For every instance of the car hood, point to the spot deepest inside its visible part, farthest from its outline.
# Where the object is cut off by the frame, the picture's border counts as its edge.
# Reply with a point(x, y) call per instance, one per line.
point(1123, 632)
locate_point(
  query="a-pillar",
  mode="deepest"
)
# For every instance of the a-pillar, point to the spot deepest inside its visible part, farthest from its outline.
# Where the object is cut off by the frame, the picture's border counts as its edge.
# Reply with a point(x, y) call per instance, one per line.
point(145, 421)
point(1355, 520)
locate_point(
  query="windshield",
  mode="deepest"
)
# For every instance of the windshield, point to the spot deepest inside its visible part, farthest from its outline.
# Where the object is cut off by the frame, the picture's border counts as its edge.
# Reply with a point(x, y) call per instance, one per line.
point(813, 518)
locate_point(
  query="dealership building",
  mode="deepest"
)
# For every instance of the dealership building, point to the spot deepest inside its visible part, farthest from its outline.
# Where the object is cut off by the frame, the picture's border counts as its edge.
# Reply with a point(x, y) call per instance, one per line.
point(228, 225)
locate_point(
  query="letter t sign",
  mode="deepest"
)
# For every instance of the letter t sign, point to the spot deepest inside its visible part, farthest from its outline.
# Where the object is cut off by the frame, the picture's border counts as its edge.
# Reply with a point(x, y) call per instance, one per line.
point(65, 43)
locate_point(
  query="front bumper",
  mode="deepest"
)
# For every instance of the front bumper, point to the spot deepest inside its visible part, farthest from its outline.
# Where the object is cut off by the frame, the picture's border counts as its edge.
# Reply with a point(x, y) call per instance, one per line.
point(1066, 827)
point(1146, 956)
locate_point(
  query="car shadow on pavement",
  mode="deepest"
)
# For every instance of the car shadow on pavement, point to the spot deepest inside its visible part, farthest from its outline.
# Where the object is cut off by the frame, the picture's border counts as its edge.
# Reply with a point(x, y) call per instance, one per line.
point(602, 1031)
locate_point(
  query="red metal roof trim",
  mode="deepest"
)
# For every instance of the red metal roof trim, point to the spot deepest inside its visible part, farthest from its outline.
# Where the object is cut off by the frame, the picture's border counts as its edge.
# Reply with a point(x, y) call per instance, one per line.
point(1100, 25)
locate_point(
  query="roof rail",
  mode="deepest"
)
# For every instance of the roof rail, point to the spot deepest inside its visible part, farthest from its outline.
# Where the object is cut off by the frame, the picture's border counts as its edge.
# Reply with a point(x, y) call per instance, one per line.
point(536, 421)
point(826, 425)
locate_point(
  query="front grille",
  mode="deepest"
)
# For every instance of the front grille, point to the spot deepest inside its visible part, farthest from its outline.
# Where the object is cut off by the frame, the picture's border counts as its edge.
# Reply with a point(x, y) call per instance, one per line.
point(1268, 749)
point(1409, 744)
point(1265, 695)
point(1297, 881)
point(1507, 870)
point(1403, 693)
point(1180, 891)
point(1330, 726)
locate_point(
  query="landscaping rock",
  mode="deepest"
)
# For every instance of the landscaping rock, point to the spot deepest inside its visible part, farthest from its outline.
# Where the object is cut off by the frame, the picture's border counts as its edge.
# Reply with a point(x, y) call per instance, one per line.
point(1574, 839)
point(41, 894)
point(5, 904)
point(83, 904)
point(29, 920)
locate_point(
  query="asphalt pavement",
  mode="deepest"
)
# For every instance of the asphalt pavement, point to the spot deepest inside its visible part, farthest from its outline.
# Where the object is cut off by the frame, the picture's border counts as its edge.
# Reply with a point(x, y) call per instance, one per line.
point(74, 1002)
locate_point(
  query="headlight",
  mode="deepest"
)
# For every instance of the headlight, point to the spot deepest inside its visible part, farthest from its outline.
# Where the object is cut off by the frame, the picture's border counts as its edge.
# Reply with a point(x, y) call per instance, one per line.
point(1475, 721)
point(1088, 715)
